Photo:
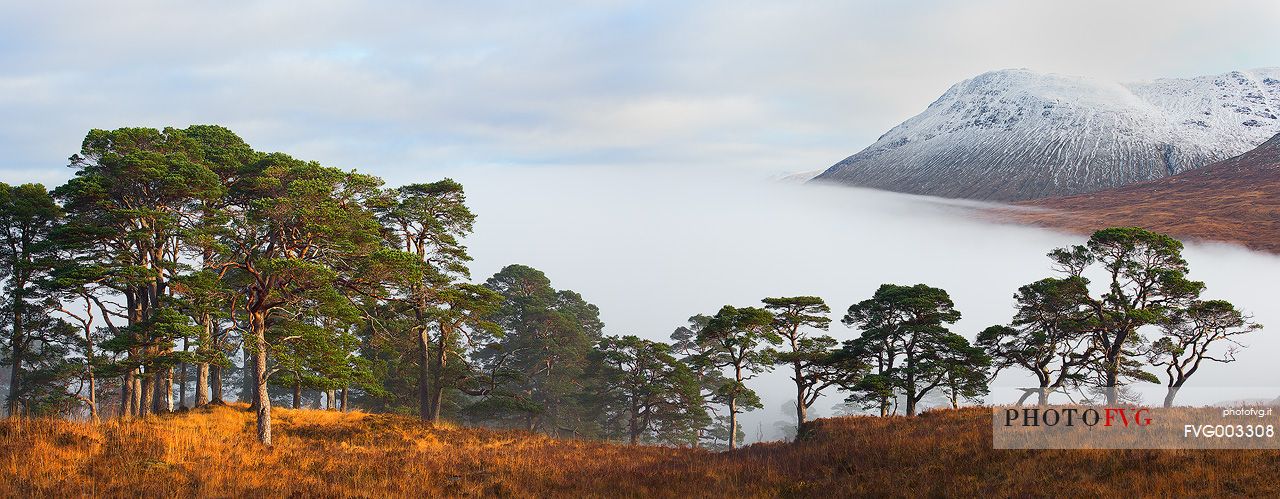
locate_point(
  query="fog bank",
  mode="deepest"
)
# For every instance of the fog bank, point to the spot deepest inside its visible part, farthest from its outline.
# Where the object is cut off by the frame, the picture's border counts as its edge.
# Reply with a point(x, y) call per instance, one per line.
point(652, 247)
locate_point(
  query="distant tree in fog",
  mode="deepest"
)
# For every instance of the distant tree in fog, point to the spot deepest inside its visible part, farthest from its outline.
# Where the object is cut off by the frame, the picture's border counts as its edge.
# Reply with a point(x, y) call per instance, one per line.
point(907, 345)
point(1189, 334)
point(1050, 336)
point(645, 392)
point(1146, 281)
point(814, 365)
point(740, 337)
point(699, 356)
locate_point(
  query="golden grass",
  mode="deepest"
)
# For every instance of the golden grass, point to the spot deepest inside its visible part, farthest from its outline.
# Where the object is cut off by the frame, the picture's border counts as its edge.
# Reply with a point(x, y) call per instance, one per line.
point(326, 454)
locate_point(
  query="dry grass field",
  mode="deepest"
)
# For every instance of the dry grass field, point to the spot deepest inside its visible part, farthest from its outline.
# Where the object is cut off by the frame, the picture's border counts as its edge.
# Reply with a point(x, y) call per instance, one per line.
point(328, 454)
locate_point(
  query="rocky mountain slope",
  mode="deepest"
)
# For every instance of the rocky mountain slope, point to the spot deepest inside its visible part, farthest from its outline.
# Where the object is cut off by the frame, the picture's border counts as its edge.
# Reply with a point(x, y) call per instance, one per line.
point(1019, 134)
point(1236, 200)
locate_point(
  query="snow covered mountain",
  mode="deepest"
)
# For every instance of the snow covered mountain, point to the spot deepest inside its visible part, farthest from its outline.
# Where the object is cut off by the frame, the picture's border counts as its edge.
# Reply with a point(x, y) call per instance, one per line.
point(1019, 134)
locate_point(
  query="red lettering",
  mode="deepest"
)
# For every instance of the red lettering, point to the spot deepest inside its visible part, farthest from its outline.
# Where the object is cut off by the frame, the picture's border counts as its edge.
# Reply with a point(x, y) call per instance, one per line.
point(1139, 417)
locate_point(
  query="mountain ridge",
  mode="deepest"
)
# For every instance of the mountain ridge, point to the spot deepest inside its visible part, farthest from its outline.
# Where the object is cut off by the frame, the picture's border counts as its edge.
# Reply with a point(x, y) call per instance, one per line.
point(1018, 134)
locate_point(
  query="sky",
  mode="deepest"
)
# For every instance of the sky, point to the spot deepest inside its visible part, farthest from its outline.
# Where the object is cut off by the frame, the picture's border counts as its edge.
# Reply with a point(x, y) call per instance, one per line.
point(624, 147)
point(404, 89)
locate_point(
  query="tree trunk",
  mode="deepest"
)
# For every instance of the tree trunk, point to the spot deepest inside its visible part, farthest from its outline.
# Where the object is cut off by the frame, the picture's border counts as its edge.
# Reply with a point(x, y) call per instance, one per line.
point(330, 400)
point(202, 384)
point(911, 386)
point(1042, 396)
point(733, 409)
point(163, 401)
point(147, 390)
point(215, 384)
point(215, 371)
point(158, 406)
point(136, 396)
point(202, 348)
point(437, 385)
point(157, 398)
point(1113, 377)
point(182, 377)
point(437, 399)
point(261, 397)
point(424, 375)
point(182, 386)
point(134, 379)
point(1169, 395)
point(297, 393)
point(125, 384)
point(250, 390)
point(88, 371)
point(15, 372)
point(733, 421)
point(93, 397)
point(344, 400)
point(801, 410)
point(17, 344)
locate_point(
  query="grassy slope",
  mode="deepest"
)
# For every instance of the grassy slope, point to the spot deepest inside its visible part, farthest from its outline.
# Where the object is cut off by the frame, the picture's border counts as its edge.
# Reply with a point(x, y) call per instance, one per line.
point(1236, 200)
point(330, 454)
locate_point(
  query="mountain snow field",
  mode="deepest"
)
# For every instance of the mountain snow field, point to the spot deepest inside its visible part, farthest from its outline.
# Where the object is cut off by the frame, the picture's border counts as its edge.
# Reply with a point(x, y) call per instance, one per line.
point(1019, 134)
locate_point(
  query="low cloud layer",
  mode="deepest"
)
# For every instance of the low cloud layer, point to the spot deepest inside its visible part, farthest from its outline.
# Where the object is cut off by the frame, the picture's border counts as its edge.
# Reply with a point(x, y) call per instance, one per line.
point(653, 248)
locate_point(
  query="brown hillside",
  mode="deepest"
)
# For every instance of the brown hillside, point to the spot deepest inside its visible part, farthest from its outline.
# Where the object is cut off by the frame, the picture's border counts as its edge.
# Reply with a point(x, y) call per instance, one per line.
point(327, 454)
point(1236, 200)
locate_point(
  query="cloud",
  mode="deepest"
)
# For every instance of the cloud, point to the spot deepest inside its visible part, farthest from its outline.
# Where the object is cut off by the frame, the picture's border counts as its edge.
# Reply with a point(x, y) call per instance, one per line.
point(401, 88)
